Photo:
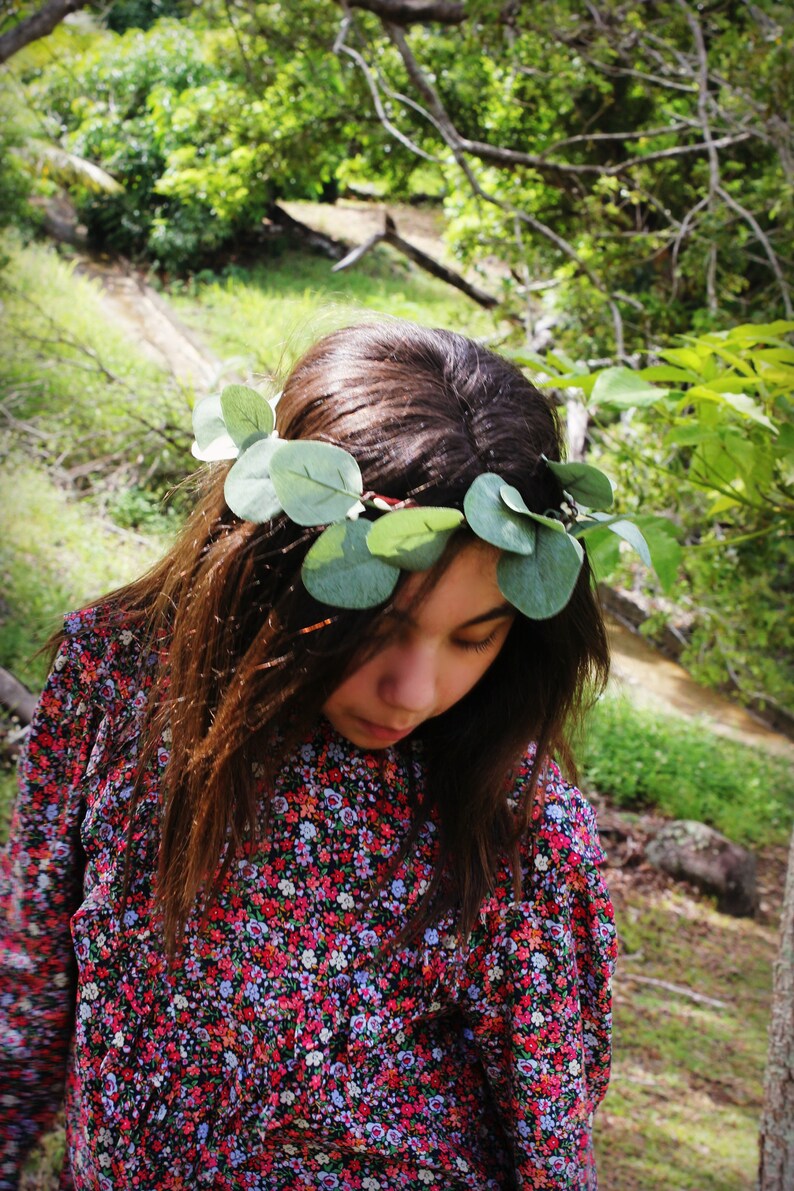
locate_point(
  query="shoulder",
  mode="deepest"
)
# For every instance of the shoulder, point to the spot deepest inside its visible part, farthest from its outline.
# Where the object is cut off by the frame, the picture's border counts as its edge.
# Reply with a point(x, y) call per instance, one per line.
point(564, 828)
point(104, 650)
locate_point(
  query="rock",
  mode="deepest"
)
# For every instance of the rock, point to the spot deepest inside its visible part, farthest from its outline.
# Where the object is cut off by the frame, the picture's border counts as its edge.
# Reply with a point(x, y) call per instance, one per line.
point(691, 851)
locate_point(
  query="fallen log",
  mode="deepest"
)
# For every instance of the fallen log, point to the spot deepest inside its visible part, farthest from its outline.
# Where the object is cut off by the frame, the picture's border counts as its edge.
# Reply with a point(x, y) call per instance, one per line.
point(390, 236)
point(16, 698)
point(282, 220)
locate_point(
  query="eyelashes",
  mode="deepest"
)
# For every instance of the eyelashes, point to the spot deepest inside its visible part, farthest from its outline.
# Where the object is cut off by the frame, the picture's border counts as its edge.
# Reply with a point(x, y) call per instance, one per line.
point(479, 646)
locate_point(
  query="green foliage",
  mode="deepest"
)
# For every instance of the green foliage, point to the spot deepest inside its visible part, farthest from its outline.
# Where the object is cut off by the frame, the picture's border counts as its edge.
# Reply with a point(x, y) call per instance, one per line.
point(643, 760)
point(140, 14)
point(708, 434)
point(202, 139)
point(675, 238)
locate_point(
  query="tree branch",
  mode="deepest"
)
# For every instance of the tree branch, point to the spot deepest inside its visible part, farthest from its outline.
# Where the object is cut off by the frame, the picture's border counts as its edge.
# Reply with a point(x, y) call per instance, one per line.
point(412, 12)
point(457, 145)
point(390, 236)
point(762, 237)
point(38, 25)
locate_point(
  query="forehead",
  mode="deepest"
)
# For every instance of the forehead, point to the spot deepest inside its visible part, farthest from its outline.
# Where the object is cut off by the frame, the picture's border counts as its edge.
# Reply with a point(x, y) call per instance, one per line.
point(466, 591)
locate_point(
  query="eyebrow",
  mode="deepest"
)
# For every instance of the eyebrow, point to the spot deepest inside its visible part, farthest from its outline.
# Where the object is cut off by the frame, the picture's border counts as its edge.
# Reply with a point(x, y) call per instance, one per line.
point(497, 613)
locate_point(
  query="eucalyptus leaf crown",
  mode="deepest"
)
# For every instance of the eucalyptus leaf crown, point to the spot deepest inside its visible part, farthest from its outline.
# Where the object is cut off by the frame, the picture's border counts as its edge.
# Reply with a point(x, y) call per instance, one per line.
point(355, 563)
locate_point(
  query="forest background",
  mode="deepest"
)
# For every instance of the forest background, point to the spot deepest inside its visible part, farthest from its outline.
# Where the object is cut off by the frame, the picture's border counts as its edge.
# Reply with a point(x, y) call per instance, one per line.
point(614, 181)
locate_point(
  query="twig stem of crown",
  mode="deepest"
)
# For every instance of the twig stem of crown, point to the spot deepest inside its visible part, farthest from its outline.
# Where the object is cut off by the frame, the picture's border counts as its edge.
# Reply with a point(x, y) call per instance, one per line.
point(355, 563)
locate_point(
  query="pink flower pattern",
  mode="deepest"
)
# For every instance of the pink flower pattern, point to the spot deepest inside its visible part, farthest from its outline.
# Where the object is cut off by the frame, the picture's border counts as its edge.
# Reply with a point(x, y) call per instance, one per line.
point(286, 1049)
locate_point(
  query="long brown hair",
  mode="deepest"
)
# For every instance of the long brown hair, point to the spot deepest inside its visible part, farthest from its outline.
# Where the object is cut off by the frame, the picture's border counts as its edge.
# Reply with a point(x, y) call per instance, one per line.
point(250, 657)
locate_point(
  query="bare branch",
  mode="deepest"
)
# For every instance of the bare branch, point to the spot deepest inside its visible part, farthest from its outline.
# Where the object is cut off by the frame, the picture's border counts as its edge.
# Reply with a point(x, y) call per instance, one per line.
point(340, 46)
point(762, 237)
point(457, 145)
point(38, 25)
point(586, 137)
point(678, 990)
point(714, 161)
point(390, 236)
point(497, 154)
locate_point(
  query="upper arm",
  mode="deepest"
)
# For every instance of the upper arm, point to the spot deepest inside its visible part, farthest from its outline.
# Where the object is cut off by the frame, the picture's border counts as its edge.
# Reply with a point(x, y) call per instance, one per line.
point(537, 994)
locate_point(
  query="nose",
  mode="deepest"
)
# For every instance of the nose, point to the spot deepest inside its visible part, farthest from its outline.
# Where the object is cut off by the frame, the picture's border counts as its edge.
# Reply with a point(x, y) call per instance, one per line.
point(408, 679)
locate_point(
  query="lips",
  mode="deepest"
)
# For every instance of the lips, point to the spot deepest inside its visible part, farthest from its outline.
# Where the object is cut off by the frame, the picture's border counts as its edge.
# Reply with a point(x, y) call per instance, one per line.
point(384, 731)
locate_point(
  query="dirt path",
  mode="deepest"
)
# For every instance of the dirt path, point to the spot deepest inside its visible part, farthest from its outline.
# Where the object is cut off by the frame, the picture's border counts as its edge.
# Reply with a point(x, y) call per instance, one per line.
point(648, 679)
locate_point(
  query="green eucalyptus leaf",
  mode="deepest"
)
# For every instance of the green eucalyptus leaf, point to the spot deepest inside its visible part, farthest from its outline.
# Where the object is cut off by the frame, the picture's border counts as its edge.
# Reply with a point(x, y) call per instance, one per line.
point(246, 413)
point(493, 521)
point(222, 447)
point(513, 499)
point(586, 484)
point(208, 423)
point(623, 389)
point(340, 570)
point(413, 539)
point(316, 482)
point(540, 585)
point(248, 489)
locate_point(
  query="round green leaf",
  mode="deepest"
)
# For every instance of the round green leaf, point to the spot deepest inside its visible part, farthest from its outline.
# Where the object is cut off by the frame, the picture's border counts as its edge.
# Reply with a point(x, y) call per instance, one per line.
point(316, 482)
point(222, 447)
point(513, 499)
point(540, 585)
point(413, 539)
point(492, 521)
point(586, 484)
point(248, 490)
point(246, 413)
point(339, 569)
point(208, 423)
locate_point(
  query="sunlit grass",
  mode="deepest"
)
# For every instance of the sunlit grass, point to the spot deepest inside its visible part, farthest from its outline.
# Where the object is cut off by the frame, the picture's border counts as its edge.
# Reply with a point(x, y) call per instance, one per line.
point(261, 318)
point(682, 769)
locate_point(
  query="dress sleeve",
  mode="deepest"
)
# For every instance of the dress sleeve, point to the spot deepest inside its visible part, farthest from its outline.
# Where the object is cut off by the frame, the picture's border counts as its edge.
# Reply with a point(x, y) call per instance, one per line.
point(537, 997)
point(41, 874)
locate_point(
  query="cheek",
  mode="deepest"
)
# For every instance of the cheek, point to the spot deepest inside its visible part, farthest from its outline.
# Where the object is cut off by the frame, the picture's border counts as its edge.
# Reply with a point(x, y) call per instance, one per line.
point(356, 685)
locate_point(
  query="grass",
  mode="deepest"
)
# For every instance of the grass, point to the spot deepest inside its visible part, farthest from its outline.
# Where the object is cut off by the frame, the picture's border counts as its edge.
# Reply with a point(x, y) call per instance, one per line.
point(643, 759)
point(55, 554)
point(260, 319)
point(76, 393)
point(683, 1107)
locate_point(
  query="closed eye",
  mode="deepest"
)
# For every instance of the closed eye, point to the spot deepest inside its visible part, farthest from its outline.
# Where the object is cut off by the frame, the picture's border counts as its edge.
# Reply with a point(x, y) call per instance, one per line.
point(479, 646)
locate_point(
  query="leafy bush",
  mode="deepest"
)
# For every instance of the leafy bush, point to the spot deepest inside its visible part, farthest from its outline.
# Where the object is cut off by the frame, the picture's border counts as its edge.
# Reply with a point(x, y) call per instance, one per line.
point(200, 146)
point(706, 434)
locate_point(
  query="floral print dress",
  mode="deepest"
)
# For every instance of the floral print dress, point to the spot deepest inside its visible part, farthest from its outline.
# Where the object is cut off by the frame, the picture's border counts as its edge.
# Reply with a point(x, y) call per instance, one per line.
point(286, 1049)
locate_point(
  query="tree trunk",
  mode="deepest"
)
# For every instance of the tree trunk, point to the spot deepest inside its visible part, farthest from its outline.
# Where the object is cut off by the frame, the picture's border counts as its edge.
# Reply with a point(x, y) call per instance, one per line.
point(776, 1167)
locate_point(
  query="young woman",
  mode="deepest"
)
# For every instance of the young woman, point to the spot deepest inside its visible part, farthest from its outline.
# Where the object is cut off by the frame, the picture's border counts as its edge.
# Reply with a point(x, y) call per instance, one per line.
point(290, 899)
